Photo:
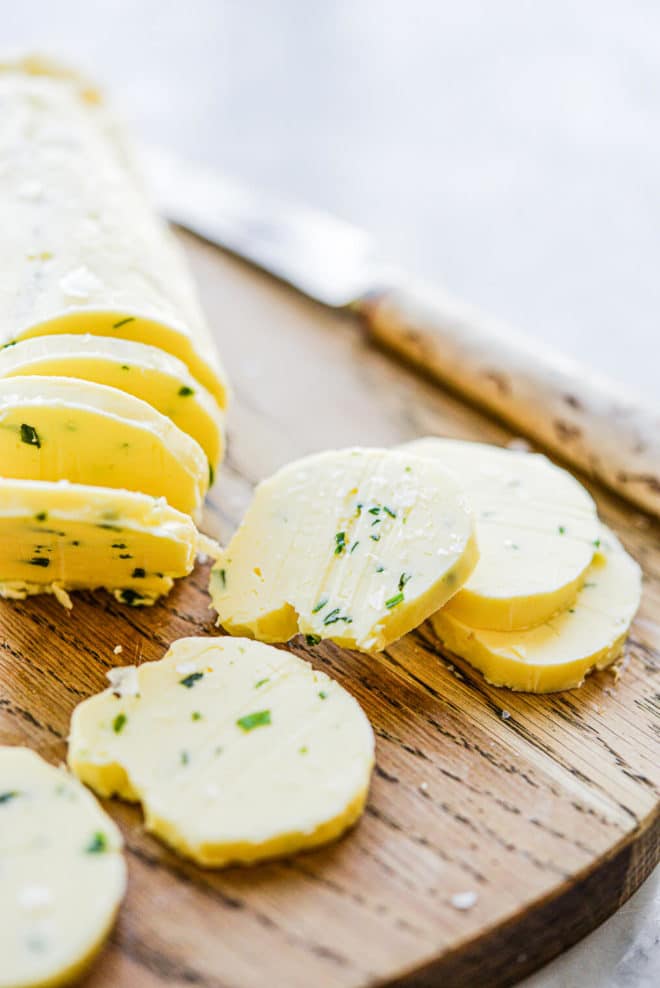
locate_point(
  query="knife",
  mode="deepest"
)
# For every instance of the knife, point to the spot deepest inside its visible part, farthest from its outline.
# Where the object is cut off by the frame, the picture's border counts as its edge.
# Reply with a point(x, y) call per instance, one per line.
point(568, 409)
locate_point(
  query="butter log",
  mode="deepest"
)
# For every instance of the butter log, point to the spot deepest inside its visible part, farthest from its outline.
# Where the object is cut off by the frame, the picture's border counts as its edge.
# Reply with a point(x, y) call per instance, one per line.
point(81, 250)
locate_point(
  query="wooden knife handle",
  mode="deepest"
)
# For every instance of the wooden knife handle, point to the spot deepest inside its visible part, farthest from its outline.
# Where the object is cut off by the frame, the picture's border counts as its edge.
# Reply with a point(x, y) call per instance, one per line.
point(565, 407)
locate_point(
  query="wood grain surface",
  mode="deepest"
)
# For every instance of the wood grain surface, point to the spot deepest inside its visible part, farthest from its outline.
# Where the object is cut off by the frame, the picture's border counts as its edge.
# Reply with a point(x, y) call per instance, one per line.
point(550, 814)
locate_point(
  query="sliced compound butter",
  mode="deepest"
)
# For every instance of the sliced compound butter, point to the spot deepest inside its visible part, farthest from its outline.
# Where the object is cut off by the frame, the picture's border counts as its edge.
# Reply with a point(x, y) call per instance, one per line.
point(536, 530)
point(357, 545)
point(558, 654)
point(81, 249)
point(237, 751)
point(62, 873)
point(140, 370)
point(59, 537)
point(58, 428)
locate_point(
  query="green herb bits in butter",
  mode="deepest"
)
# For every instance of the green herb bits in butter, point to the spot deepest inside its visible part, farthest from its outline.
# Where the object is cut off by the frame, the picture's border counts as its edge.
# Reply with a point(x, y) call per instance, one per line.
point(237, 751)
point(83, 251)
point(140, 370)
point(357, 545)
point(58, 428)
point(56, 537)
point(557, 655)
point(537, 530)
point(62, 873)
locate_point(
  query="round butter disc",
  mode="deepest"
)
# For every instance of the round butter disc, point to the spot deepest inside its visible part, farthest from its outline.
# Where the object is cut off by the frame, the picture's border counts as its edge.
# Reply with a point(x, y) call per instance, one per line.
point(537, 529)
point(357, 545)
point(558, 654)
point(62, 873)
point(237, 751)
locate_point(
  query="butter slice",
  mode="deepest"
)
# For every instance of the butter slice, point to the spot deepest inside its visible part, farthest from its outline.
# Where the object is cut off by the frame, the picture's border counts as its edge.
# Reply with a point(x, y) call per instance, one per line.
point(140, 370)
point(357, 545)
point(82, 251)
point(536, 529)
point(237, 751)
point(60, 537)
point(63, 873)
point(559, 654)
point(58, 428)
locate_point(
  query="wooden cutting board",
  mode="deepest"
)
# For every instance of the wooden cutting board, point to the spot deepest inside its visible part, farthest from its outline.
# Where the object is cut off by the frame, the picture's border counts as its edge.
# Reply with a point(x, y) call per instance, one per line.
point(545, 807)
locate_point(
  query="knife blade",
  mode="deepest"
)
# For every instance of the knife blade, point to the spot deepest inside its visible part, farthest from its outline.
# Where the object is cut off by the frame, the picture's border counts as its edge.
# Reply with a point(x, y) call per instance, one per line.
point(319, 255)
point(581, 417)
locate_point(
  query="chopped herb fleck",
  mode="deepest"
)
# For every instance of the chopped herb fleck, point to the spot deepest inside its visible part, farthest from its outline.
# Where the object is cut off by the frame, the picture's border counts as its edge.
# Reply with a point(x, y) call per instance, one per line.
point(39, 561)
point(587, 586)
point(334, 616)
point(189, 681)
point(42, 516)
point(562, 530)
point(321, 604)
point(312, 639)
point(261, 682)
point(258, 719)
point(375, 510)
point(125, 367)
point(388, 511)
point(597, 543)
point(340, 543)
point(211, 475)
point(98, 844)
point(185, 391)
point(30, 436)
point(122, 322)
point(222, 573)
point(403, 579)
point(394, 601)
point(323, 694)
point(138, 573)
point(119, 723)
point(196, 715)
point(125, 555)
point(358, 509)
point(375, 538)
point(354, 547)
point(376, 521)
point(408, 469)
point(380, 569)
point(6, 797)
point(119, 545)
point(185, 758)
point(303, 750)
point(130, 597)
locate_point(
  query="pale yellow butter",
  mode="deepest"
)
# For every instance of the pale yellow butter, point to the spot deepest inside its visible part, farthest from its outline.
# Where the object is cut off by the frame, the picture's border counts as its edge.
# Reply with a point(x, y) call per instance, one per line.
point(62, 873)
point(357, 545)
point(237, 751)
point(81, 249)
point(58, 428)
point(140, 370)
point(536, 529)
point(558, 654)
